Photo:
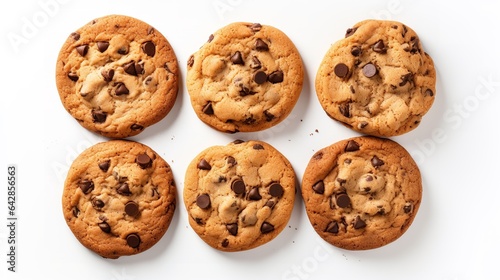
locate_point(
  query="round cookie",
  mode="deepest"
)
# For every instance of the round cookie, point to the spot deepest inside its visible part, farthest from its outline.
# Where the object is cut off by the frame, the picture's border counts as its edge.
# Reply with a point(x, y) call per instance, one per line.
point(119, 198)
point(117, 75)
point(239, 196)
point(361, 193)
point(377, 80)
point(247, 77)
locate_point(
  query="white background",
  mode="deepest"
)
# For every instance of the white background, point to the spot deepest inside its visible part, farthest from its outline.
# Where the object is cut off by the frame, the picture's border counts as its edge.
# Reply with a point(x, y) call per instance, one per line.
point(455, 235)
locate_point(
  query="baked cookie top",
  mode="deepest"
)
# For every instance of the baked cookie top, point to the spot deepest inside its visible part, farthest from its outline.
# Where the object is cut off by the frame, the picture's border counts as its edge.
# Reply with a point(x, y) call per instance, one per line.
point(239, 196)
point(377, 80)
point(117, 75)
point(246, 77)
point(119, 198)
point(361, 193)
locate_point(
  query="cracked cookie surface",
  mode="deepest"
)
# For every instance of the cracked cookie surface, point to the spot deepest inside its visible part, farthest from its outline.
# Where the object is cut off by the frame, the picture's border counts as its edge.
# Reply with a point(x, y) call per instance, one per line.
point(247, 77)
point(377, 80)
point(117, 75)
point(119, 198)
point(361, 193)
point(239, 196)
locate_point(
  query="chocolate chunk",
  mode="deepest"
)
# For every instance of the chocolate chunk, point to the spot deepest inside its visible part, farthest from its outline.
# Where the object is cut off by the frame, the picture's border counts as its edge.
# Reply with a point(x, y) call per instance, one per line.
point(255, 63)
point(104, 165)
point(276, 77)
point(249, 120)
point(258, 147)
point(133, 240)
point(75, 211)
point(123, 189)
point(370, 70)
point(413, 45)
point(102, 46)
point(149, 48)
point(260, 45)
point(97, 203)
point(121, 89)
point(358, 223)
point(276, 190)
point(238, 186)
point(429, 92)
point(136, 127)
point(256, 27)
point(204, 165)
point(86, 185)
point(332, 227)
point(99, 116)
point(132, 208)
point(236, 58)
point(232, 228)
point(208, 109)
point(356, 51)
point(319, 187)
point(266, 227)
point(408, 208)
point(254, 194)
point(75, 36)
point(342, 200)
point(379, 47)
point(203, 201)
point(190, 61)
point(269, 116)
point(225, 243)
point(108, 74)
point(73, 77)
point(376, 162)
point(350, 31)
point(260, 77)
point(143, 160)
point(406, 78)
point(104, 227)
point(351, 146)
point(341, 70)
point(82, 50)
point(345, 109)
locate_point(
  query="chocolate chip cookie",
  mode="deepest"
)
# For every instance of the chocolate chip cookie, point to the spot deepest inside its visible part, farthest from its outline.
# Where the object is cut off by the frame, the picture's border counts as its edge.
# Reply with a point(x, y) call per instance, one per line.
point(377, 80)
point(119, 198)
point(239, 196)
point(246, 77)
point(361, 193)
point(117, 75)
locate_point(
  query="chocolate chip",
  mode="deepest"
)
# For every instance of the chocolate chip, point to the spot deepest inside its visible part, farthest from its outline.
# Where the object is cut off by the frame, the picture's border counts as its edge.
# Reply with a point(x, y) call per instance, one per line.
point(332, 227)
point(82, 50)
point(231, 161)
point(225, 243)
point(362, 125)
point(149, 48)
point(351, 146)
point(208, 109)
point(121, 89)
point(104, 227)
point(204, 165)
point(345, 109)
point(258, 147)
point(256, 27)
point(266, 227)
point(342, 200)
point(356, 51)
point(341, 70)
point(97, 203)
point(108, 74)
point(413, 45)
point(86, 185)
point(359, 223)
point(133, 240)
point(238, 186)
point(379, 47)
point(276, 77)
point(341, 181)
point(260, 45)
point(151, 30)
point(405, 29)
point(98, 115)
point(238, 141)
point(75, 211)
point(408, 208)
point(232, 228)
point(136, 127)
point(236, 58)
point(190, 61)
point(73, 77)
point(250, 120)
point(210, 38)
point(143, 160)
point(276, 190)
point(123, 189)
point(376, 162)
point(269, 116)
point(255, 63)
point(370, 70)
point(429, 92)
point(352, 89)
point(350, 31)
point(260, 77)
point(406, 78)
point(254, 194)
point(270, 204)
point(129, 68)
point(132, 208)
point(75, 36)
point(123, 50)
point(244, 91)
point(319, 187)
point(318, 155)
point(203, 201)
point(102, 46)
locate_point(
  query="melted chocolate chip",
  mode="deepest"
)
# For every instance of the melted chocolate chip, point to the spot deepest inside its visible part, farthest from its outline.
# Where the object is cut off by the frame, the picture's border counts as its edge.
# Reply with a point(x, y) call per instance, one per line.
point(332, 227)
point(260, 77)
point(108, 74)
point(232, 228)
point(408, 208)
point(345, 109)
point(123, 189)
point(82, 49)
point(276, 190)
point(238, 186)
point(133, 240)
point(342, 200)
point(406, 78)
point(76, 211)
point(86, 185)
point(225, 243)
point(319, 187)
point(208, 109)
point(369, 70)
point(356, 51)
point(99, 116)
point(351, 146)
point(149, 48)
point(132, 208)
point(204, 165)
point(236, 58)
point(260, 45)
point(269, 116)
point(104, 227)
point(203, 201)
point(97, 204)
point(379, 47)
point(102, 46)
point(341, 70)
point(258, 147)
point(136, 127)
point(254, 194)
point(143, 160)
point(266, 227)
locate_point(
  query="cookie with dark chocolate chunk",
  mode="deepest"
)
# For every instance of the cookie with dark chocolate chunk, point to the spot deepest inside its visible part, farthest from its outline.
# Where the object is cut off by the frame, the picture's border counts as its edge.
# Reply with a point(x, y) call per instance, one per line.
point(239, 196)
point(117, 75)
point(378, 80)
point(119, 198)
point(362, 193)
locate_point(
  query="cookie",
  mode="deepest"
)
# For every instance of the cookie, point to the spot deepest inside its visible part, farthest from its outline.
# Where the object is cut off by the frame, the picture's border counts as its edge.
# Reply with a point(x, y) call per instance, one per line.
point(361, 193)
point(119, 198)
point(117, 75)
point(377, 80)
point(246, 77)
point(239, 196)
